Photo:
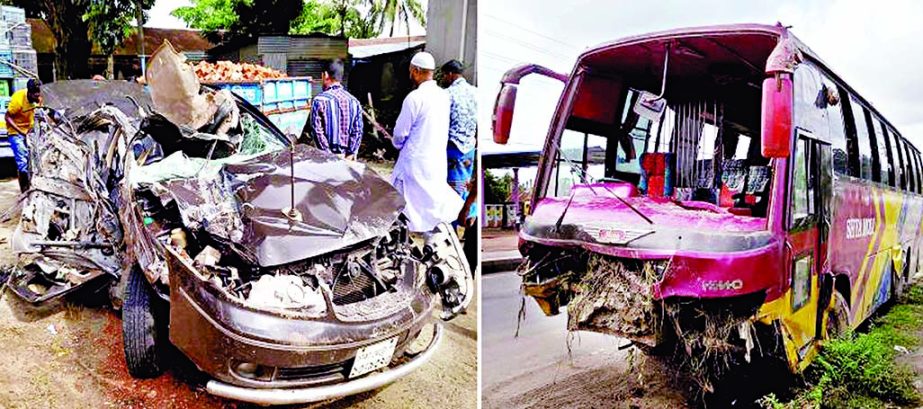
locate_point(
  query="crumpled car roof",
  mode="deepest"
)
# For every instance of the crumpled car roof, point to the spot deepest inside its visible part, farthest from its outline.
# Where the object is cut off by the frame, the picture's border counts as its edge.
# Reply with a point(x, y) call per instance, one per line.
point(77, 98)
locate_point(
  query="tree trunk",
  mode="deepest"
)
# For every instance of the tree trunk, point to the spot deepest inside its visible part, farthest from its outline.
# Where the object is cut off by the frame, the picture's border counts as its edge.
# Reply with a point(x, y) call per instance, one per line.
point(72, 40)
point(110, 67)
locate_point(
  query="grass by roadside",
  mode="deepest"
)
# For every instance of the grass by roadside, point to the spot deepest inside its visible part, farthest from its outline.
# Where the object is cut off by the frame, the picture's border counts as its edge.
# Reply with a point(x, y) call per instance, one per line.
point(864, 370)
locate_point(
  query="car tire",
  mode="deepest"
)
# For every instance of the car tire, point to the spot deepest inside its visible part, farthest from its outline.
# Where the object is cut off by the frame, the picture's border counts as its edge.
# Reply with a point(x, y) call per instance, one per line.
point(140, 332)
point(837, 316)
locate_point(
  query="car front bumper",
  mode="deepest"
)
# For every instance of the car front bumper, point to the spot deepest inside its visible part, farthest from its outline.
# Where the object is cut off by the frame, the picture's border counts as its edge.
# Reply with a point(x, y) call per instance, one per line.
point(288, 396)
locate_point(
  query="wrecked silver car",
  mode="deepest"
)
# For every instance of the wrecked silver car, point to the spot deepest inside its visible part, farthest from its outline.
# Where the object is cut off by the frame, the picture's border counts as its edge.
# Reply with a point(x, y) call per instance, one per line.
point(288, 274)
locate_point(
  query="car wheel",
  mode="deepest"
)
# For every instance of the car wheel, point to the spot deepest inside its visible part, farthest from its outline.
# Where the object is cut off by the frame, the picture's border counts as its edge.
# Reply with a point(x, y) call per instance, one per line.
point(837, 316)
point(140, 335)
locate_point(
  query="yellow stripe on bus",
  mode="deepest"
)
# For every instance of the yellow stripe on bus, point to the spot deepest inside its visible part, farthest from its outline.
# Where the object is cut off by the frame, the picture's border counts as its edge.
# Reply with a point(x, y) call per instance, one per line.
point(883, 255)
point(856, 308)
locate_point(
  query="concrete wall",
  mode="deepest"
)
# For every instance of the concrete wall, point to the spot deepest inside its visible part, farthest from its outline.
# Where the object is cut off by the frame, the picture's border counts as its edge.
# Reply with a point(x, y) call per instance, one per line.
point(451, 33)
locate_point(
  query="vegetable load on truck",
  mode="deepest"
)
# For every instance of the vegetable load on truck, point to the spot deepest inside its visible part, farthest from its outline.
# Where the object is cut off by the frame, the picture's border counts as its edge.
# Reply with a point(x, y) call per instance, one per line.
point(285, 100)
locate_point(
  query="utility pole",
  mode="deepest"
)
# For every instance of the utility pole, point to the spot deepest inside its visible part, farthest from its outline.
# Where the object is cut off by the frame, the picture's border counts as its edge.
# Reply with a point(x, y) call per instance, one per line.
point(140, 16)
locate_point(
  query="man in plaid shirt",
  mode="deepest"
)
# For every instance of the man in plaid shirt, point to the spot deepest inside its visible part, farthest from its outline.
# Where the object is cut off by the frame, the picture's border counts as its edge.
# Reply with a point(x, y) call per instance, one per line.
point(335, 124)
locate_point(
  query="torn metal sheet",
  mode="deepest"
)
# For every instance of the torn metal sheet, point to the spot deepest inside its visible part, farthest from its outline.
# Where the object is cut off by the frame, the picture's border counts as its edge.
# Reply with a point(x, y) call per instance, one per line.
point(175, 90)
point(341, 202)
point(69, 228)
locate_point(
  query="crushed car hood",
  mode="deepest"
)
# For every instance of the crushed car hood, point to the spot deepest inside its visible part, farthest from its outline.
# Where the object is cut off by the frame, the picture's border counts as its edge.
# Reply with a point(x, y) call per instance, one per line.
point(340, 202)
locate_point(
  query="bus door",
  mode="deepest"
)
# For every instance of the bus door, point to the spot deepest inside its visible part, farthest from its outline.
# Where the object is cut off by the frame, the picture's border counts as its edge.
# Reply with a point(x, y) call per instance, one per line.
point(806, 240)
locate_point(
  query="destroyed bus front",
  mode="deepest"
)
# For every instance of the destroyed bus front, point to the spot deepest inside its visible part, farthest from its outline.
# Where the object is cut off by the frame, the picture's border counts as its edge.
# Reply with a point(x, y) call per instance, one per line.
point(655, 215)
point(284, 273)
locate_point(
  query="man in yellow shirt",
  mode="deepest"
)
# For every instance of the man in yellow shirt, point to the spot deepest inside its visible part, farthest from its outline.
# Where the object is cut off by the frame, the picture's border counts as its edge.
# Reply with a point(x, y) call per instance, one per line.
point(20, 117)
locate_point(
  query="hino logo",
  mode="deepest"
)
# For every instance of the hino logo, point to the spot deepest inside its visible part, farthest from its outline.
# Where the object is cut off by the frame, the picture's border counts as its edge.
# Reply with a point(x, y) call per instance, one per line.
point(721, 285)
point(609, 234)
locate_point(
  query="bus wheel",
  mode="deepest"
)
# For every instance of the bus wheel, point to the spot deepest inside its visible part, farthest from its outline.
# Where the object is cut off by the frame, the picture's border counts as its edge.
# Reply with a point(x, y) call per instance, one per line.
point(837, 316)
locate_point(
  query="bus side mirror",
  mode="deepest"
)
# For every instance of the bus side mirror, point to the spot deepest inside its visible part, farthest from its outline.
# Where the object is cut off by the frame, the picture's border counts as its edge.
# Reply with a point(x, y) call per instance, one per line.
point(503, 113)
point(777, 116)
point(506, 98)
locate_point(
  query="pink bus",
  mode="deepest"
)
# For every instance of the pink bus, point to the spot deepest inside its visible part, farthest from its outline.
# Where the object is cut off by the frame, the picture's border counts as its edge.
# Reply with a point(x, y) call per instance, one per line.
point(718, 192)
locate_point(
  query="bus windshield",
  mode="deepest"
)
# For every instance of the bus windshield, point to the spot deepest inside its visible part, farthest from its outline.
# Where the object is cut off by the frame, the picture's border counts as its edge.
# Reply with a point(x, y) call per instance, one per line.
point(703, 147)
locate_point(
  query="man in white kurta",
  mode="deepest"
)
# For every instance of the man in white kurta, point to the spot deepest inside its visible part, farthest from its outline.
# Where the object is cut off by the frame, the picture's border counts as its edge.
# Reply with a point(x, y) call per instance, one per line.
point(421, 134)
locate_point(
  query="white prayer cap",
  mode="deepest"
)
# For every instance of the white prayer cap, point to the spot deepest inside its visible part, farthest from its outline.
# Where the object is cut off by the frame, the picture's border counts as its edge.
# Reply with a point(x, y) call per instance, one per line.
point(423, 60)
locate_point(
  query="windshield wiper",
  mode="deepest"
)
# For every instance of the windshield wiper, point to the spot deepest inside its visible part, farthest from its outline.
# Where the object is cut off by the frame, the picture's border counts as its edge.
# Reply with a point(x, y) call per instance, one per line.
point(584, 177)
point(557, 224)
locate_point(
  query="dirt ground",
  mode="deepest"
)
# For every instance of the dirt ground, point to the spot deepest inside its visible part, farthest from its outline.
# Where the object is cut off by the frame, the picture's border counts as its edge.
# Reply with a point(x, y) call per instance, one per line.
point(547, 367)
point(597, 380)
point(62, 355)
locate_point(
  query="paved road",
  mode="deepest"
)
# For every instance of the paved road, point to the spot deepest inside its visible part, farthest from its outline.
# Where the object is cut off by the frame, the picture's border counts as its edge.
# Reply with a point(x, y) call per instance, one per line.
point(535, 369)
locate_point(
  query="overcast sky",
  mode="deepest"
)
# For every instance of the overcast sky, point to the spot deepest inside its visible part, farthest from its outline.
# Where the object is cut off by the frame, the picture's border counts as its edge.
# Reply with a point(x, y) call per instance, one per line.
point(159, 15)
point(873, 45)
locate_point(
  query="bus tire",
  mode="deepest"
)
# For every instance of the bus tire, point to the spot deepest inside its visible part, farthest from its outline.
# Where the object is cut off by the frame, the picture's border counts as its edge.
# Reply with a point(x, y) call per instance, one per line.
point(140, 335)
point(837, 316)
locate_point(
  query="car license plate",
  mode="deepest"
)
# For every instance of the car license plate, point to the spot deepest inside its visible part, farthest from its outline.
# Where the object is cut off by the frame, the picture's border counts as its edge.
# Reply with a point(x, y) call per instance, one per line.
point(372, 357)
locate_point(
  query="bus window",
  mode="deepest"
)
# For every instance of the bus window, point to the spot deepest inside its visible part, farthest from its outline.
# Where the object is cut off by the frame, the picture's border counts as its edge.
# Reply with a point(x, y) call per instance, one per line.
point(916, 158)
point(908, 166)
point(847, 156)
point(897, 157)
point(706, 148)
point(661, 133)
point(809, 99)
point(623, 162)
point(834, 107)
point(743, 147)
point(623, 148)
point(868, 150)
point(802, 194)
point(878, 157)
point(884, 150)
point(581, 157)
point(916, 168)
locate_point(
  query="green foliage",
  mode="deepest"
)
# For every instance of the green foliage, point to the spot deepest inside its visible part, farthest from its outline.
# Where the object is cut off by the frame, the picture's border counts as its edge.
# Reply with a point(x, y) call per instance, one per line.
point(222, 20)
point(860, 370)
point(496, 189)
point(79, 24)
point(393, 11)
point(317, 17)
point(356, 23)
point(863, 367)
point(225, 20)
point(347, 18)
point(914, 296)
point(210, 16)
point(111, 21)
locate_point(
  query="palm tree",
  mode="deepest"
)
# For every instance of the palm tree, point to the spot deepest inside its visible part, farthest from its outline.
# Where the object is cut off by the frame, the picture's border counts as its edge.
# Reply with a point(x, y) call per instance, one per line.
point(355, 23)
point(393, 11)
